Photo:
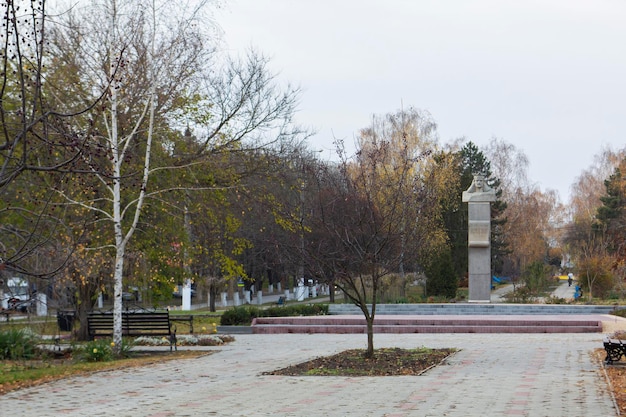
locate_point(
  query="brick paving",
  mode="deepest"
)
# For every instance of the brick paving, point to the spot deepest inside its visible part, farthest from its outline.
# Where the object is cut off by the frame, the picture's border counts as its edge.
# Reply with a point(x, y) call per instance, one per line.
point(491, 375)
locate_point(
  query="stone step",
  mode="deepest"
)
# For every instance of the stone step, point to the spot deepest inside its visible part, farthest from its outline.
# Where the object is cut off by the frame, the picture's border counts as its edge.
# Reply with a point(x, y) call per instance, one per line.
point(428, 321)
point(276, 329)
point(475, 309)
point(421, 324)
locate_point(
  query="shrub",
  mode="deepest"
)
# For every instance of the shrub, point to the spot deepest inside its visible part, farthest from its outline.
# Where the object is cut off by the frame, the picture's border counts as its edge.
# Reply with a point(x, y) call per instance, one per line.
point(555, 300)
point(18, 344)
point(244, 315)
point(241, 315)
point(99, 350)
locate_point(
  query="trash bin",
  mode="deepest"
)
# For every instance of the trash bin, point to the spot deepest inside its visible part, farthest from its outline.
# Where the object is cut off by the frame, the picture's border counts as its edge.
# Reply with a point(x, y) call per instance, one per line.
point(65, 319)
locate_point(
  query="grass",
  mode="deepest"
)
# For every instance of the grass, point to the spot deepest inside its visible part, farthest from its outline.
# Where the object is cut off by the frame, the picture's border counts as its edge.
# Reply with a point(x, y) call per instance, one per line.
point(20, 374)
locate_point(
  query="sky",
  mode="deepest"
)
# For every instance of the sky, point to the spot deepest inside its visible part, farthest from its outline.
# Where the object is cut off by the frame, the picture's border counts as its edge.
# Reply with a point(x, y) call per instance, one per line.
point(548, 76)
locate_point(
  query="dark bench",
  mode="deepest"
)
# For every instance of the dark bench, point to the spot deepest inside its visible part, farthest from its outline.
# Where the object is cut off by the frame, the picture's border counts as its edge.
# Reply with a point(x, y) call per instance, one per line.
point(186, 318)
point(615, 349)
point(140, 323)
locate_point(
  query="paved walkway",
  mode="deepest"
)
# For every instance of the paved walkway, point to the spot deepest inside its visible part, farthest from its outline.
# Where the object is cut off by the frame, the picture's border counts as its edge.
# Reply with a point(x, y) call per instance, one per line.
point(562, 291)
point(492, 375)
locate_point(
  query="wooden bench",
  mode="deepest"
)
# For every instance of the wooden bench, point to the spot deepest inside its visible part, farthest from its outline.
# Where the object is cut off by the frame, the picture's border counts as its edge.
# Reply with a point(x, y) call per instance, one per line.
point(185, 318)
point(141, 323)
point(615, 349)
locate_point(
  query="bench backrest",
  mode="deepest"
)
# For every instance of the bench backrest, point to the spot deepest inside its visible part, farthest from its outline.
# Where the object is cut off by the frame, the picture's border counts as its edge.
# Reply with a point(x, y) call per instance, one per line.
point(133, 323)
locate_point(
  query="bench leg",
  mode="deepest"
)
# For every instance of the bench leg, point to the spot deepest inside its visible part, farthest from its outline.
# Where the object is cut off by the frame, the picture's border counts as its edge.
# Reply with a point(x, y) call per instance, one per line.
point(613, 354)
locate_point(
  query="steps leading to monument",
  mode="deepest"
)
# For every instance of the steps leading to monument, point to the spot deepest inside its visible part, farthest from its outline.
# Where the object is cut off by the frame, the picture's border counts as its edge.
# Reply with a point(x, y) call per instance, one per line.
point(474, 309)
point(432, 324)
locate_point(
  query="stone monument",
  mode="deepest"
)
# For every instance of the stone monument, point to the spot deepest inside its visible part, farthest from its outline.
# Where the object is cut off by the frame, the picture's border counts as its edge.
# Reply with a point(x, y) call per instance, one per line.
point(479, 197)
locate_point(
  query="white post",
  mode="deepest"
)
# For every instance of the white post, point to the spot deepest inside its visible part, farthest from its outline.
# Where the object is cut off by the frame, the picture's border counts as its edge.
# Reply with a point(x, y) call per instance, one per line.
point(42, 304)
point(100, 300)
point(186, 296)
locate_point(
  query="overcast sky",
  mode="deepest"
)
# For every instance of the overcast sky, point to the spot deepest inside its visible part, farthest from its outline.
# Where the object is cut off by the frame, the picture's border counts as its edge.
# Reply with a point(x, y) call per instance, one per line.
point(548, 76)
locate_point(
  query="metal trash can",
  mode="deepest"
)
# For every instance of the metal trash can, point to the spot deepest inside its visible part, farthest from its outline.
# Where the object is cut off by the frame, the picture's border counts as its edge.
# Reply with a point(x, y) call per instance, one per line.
point(65, 319)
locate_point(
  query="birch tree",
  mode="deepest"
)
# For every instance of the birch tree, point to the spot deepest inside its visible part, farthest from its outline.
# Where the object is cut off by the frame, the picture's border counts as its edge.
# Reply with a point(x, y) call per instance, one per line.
point(154, 62)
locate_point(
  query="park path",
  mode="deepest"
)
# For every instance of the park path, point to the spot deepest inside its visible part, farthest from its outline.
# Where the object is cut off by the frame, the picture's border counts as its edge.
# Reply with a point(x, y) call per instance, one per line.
point(492, 374)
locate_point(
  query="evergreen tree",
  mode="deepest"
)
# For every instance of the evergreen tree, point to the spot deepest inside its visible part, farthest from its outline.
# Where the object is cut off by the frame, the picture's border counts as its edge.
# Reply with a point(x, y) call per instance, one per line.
point(610, 217)
point(471, 161)
point(441, 277)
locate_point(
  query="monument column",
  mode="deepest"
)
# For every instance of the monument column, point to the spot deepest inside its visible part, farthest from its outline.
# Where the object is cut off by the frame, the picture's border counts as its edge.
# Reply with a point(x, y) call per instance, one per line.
point(479, 197)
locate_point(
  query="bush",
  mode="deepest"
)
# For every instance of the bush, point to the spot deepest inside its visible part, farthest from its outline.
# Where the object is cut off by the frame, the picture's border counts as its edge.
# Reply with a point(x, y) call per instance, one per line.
point(241, 315)
point(101, 350)
point(18, 344)
point(244, 315)
point(96, 351)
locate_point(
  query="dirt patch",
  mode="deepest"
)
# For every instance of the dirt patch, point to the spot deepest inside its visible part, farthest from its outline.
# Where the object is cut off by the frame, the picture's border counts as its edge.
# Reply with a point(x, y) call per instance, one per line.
point(386, 362)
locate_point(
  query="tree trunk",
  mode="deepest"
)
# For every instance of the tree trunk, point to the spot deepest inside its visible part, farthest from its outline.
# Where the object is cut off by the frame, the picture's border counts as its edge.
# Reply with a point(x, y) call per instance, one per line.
point(212, 295)
point(370, 337)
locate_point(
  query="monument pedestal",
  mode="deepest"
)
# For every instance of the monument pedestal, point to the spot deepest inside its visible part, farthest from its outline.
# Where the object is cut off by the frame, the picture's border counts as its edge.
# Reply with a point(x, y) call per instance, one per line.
point(479, 197)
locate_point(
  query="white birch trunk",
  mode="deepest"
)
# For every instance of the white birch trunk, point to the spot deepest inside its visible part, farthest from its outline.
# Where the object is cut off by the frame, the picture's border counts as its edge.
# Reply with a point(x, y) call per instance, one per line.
point(118, 150)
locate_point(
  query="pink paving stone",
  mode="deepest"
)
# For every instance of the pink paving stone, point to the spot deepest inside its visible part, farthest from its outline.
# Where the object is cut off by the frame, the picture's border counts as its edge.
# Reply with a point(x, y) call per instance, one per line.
point(519, 402)
point(102, 401)
point(307, 401)
point(515, 412)
point(523, 393)
point(288, 410)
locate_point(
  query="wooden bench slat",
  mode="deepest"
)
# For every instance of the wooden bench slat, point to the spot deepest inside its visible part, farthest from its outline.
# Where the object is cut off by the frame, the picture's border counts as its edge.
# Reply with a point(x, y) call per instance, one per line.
point(133, 324)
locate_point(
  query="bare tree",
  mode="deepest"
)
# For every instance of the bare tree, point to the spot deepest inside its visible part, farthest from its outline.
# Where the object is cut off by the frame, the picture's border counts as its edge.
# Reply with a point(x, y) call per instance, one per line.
point(363, 213)
point(38, 144)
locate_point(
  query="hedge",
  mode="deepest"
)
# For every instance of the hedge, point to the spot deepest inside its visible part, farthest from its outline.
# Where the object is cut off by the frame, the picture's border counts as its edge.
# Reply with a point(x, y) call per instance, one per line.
point(243, 315)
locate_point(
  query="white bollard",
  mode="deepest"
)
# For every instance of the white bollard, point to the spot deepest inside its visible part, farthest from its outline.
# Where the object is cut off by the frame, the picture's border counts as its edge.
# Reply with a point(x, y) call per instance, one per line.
point(186, 297)
point(42, 304)
point(300, 292)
